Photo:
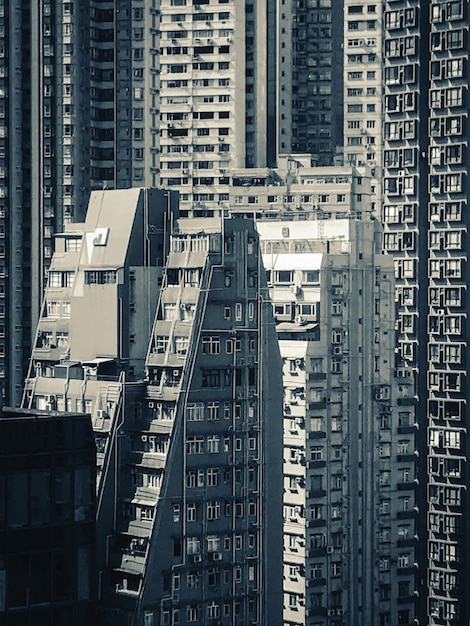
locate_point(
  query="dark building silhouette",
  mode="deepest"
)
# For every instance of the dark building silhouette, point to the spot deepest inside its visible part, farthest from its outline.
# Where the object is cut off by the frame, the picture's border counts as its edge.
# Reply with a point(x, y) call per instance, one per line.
point(47, 519)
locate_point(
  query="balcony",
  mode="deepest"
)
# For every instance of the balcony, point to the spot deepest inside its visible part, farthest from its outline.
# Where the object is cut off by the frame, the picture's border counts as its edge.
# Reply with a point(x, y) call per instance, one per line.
point(407, 401)
point(316, 464)
point(316, 434)
point(407, 486)
point(317, 376)
point(406, 458)
point(316, 523)
point(316, 493)
point(313, 406)
point(406, 430)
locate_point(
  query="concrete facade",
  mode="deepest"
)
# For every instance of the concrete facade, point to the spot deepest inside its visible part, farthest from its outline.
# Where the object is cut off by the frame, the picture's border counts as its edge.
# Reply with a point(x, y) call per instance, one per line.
point(425, 191)
point(349, 436)
point(310, 79)
point(179, 367)
point(214, 108)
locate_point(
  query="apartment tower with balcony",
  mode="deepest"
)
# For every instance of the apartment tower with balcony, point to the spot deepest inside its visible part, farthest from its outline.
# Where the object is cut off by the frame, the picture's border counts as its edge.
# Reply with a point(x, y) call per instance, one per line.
point(309, 83)
point(96, 317)
point(349, 436)
point(215, 66)
point(210, 428)
point(425, 191)
point(362, 80)
point(78, 86)
point(178, 365)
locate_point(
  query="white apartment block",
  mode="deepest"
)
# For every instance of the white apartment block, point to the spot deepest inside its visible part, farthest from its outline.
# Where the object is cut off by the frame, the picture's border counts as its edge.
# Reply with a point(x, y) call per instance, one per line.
point(362, 84)
point(349, 450)
point(213, 114)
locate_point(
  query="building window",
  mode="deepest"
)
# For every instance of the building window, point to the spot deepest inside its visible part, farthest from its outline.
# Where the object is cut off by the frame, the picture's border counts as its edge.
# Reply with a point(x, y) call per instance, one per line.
point(213, 410)
point(213, 444)
point(213, 543)
point(195, 412)
point(213, 477)
point(384, 564)
point(211, 345)
point(195, 445)
point(53, 309)
point(191, 512)
point(62, 340)
point(336, 568)
point(192, 580)
point(100, 277)
point(192, 613)
point(60, 279)
point(316, 453)
point(213, 510)
point(211, 378)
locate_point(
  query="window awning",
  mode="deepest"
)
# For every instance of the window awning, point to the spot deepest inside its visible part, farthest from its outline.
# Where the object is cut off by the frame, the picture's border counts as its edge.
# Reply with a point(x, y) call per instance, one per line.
point(292, 327)
point(98, 361)
point(306, 262)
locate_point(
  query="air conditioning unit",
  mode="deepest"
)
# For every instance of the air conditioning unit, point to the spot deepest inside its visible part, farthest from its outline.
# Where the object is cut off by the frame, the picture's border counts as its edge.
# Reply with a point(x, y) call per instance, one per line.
point(330, 549)
point(331, 612)
point(216, 556)
point(299, 362)
point(339, 611)
point(300, 320)
point(144, 438)
point(151, 404)
point(197, 558)
point(176, 373)
point(101, 414)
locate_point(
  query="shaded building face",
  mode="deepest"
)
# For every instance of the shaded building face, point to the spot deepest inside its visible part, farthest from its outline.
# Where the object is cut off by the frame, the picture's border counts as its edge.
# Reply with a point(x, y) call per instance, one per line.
point(47, 519)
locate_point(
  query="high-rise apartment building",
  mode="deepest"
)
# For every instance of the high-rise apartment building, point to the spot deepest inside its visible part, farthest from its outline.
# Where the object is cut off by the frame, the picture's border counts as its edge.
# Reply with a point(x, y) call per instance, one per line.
point(329, 73)
point(349, 436)
point(425, 191)
point(215, 115)
point(362, 83)
point(309, 84)
point(105, 95)
point(92, 335)
point(179, 368)
point(77, 101)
